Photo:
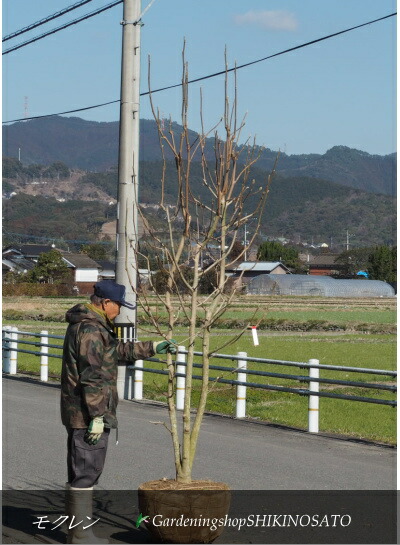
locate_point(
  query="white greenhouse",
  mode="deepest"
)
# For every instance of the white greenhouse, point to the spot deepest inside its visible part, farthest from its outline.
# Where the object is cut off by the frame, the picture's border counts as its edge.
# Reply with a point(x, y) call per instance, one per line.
point(324, 286)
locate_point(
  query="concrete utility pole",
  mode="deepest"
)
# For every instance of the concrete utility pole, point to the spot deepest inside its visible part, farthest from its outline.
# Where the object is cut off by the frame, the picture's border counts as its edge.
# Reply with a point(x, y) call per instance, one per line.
point(128, 170)
point(245, 242)
point(347, 240)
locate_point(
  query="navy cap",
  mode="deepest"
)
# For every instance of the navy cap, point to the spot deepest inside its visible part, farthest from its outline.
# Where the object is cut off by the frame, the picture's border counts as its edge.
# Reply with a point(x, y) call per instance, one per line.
point(109, 289)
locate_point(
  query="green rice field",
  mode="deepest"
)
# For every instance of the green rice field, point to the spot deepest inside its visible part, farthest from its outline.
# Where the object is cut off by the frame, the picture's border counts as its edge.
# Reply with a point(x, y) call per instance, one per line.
point(353, 349)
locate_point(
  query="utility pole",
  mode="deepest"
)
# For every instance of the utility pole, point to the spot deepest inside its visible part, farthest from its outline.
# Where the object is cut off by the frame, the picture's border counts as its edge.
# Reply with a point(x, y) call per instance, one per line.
point(245, 242)
point(347, 240)
point(128, 170)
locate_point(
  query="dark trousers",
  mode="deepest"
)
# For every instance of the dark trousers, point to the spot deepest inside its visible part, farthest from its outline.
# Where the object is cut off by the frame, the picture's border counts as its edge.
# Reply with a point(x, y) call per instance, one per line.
point(85, 462)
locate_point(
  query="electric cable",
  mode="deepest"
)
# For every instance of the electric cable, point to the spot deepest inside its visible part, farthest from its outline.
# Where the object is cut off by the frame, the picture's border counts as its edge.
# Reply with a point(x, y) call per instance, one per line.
point(62, 27)
point(215, 74)
point(45, 20)
point(146, 9)
point(202, 78)
point(63, 113)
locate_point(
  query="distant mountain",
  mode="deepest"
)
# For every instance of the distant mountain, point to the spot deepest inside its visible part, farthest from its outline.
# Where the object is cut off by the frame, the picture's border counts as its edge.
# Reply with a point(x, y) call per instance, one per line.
point(93, 146)
point(298, 208)
point(79, 144)
point(343, 165)
point(351, 167)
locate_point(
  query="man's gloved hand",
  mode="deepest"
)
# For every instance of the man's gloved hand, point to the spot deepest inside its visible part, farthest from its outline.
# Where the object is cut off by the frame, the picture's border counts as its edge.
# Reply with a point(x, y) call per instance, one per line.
point(94, 431)
point(165, 347)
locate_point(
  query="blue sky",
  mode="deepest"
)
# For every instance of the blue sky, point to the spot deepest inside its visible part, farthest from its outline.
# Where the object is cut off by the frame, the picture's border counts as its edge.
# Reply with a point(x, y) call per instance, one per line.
point(340, 91)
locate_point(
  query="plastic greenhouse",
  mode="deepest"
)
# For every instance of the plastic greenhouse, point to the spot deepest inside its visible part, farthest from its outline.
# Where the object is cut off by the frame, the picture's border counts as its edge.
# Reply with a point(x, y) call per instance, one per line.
point(325, 286)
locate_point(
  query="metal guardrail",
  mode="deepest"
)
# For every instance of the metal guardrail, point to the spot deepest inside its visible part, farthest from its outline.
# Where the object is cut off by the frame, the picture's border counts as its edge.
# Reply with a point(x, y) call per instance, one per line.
point(11, 341)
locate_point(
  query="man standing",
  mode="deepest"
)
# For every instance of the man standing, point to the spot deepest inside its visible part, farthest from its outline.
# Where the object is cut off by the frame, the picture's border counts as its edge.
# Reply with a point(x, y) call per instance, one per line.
point(89, 398)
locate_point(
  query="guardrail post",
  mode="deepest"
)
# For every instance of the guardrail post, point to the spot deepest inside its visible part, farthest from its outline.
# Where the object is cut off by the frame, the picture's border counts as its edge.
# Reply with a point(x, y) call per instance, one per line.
point(6, 349)
point(313, 401)
point(138, 381)
point(240, 389)
point(13, 351)
point(180, 381)
point(44, 358)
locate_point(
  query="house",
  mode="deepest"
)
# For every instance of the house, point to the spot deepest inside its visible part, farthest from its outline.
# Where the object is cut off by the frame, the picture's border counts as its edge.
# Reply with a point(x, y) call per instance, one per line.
point(144, 276)
point(16, 264)
point(325, 265)
point(107, 269)
point(20, 259)
point(248, 270)
point(212, 252)
point(85, 271)
point(28, 251)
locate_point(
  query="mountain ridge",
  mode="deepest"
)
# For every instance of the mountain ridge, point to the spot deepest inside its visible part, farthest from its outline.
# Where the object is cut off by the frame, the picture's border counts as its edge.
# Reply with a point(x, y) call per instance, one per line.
point(300, 208)
point(93, 146)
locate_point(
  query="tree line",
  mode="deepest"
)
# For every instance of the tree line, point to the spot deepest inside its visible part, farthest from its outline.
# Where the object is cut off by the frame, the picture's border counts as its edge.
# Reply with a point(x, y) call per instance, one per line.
point(13, 168)
point(379, 262)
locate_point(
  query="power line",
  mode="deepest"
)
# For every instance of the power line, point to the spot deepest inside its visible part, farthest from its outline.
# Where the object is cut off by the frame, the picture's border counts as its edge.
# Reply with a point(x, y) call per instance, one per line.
point(215, 74)
point(272, 56)
point(63, 113)
point(66, 25)
point(62, 27)
point(146, 9)
point(45, 20)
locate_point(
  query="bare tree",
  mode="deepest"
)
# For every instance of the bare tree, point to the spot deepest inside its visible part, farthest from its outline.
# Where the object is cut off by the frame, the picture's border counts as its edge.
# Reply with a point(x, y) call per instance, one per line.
point(195, 231)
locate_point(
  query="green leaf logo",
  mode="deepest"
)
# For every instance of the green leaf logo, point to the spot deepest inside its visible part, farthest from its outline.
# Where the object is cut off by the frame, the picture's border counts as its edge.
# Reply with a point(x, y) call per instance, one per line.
point(140, 519)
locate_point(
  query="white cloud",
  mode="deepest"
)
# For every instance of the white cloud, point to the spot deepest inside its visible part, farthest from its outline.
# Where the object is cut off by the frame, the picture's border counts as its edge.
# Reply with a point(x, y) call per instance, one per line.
point(269, 20)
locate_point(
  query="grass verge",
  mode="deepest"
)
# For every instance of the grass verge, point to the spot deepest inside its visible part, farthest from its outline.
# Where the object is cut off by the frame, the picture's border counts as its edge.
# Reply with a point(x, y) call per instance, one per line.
point(355, 419)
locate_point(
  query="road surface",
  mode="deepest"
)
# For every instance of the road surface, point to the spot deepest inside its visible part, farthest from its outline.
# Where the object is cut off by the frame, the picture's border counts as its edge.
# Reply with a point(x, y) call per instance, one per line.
point(246, 455)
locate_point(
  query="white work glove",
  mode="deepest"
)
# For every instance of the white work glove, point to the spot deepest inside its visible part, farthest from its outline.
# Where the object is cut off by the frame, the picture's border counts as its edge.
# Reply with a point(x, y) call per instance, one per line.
point(94, 431)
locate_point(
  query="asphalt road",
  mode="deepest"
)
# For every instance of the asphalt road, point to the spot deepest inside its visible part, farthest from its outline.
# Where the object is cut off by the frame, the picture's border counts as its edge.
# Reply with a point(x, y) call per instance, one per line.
point(245, 455)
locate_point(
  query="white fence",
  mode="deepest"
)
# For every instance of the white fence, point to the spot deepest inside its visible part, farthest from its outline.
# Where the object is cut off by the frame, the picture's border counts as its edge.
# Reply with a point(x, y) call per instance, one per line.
point(11, 348)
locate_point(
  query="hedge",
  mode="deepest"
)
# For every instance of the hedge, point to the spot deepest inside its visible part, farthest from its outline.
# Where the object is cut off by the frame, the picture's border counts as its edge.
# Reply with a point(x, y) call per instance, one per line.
point(26, 288)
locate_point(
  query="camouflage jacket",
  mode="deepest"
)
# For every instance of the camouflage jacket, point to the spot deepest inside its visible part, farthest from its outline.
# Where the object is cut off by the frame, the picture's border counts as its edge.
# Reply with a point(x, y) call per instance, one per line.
point(91, 355)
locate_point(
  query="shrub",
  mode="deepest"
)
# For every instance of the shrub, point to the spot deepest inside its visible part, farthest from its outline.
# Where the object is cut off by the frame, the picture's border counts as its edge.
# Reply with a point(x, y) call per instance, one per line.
point(36, 290)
